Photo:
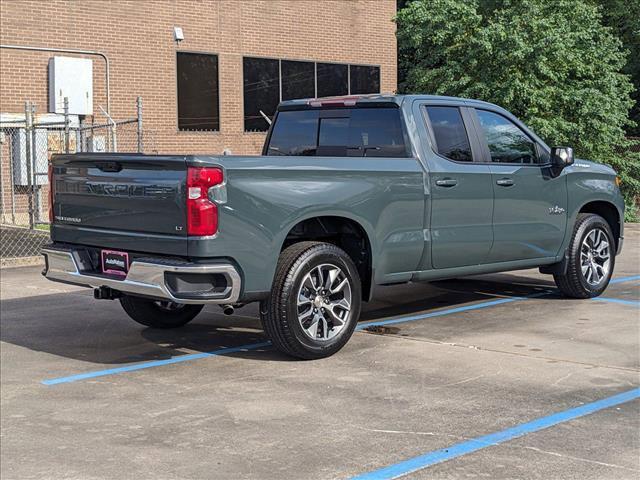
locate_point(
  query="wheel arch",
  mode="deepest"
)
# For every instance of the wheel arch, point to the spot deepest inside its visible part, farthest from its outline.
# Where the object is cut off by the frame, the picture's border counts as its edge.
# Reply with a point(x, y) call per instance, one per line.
point(609, 212)
point(344, 232)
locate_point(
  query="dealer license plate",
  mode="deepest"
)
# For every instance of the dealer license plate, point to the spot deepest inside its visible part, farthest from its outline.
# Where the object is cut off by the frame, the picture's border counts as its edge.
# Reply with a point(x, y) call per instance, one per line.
point(115, 263)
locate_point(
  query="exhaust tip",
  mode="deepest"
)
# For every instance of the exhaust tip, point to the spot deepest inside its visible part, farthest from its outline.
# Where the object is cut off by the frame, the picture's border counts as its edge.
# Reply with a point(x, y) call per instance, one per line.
point(228, 309)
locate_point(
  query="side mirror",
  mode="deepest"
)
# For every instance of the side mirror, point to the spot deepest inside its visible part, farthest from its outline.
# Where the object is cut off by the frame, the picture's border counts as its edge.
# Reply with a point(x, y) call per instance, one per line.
point(561, 157)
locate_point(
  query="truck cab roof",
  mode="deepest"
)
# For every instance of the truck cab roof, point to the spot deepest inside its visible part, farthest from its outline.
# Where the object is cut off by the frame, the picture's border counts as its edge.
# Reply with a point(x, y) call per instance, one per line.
point(377, 99)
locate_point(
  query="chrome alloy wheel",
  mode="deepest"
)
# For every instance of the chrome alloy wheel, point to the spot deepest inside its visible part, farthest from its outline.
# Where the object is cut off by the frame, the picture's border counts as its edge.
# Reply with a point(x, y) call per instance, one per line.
point(324, 302)
point(595, 257)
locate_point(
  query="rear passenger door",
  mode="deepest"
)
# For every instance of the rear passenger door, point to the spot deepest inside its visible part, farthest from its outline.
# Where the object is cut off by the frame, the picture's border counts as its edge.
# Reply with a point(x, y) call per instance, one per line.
point(461, 193)
point(529, 213)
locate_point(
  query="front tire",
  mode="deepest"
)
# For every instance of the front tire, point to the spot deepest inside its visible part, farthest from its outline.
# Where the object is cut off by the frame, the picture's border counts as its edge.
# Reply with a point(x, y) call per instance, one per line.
point(159, 314)
point(315, 301)
point(591, 258)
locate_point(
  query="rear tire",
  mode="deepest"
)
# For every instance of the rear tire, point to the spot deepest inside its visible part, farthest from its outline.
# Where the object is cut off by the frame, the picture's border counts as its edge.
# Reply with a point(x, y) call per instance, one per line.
point(159, 314)
point(591, 258)
point(315, 301)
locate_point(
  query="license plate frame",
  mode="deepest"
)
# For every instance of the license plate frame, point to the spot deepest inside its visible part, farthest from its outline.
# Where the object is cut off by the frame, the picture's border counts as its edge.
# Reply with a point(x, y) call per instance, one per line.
point(119, 264)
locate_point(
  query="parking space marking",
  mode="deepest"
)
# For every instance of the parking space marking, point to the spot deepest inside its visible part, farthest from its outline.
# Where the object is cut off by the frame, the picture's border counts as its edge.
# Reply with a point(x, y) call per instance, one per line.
point(633, 303)
point(253, 346)
point(224, 351)
point(476, 306)
point(624, 279)
point(438, 456)
point(439, 313)
point(154, 363)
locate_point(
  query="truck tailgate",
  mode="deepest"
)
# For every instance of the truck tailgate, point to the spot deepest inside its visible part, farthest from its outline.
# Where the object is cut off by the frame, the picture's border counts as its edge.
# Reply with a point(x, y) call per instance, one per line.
point(120, 193)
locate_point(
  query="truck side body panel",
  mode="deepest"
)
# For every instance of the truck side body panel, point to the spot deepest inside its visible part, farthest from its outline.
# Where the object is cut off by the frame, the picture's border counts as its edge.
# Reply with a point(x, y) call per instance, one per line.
point(268, 196)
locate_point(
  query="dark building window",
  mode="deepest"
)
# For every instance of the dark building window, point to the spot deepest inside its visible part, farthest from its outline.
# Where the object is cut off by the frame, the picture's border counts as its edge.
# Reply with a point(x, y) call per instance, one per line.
point(450, 135)
point(333, 79)
point(364, 79)
point(261, 91)
point(198, 107)
point(298, 80)
point(268, 81)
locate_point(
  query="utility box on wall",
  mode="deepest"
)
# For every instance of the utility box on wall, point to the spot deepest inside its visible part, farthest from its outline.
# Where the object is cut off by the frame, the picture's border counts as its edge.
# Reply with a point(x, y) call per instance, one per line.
point(72, 78)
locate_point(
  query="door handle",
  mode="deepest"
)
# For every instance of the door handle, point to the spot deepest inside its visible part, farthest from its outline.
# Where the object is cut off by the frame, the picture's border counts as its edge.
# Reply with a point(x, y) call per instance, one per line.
point(505, 182)
point(447, 182)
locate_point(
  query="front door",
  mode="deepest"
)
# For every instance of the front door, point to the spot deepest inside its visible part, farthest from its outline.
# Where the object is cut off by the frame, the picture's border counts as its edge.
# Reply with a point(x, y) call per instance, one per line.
point(529, 213)
point(461, 193)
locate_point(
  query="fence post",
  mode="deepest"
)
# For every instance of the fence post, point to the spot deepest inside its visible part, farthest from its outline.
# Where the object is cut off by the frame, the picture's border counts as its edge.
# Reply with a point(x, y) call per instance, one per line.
point(66, 124)
point(139, 112)
point(37, 191)
point(29, 159)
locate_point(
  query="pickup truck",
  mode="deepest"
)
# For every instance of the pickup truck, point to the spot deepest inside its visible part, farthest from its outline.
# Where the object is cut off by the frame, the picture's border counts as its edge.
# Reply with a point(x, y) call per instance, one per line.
point(350, 193)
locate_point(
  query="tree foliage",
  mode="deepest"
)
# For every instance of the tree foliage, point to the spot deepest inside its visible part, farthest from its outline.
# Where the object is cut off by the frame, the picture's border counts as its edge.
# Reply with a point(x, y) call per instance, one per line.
point(623, 16)
point(551, 62)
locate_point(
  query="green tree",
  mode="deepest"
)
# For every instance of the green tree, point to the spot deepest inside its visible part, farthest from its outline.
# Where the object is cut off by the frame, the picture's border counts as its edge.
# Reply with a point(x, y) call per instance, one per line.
point(551, 62)
point(623, 16)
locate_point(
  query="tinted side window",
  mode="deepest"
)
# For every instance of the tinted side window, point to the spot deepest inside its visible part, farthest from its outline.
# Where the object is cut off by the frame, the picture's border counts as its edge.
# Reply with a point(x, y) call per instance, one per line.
point(197, 91)
point(450, 134)
point(294, 133)
point(507, 143)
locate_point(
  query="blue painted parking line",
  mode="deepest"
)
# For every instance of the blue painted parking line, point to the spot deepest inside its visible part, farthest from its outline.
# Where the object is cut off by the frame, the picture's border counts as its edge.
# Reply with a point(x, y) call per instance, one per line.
point(438, 456)
point(625, 279)
point(224, 351)
point(154, 363)
point(361, 326)
point(440, 313)
point(475, 306)
point(632, 303)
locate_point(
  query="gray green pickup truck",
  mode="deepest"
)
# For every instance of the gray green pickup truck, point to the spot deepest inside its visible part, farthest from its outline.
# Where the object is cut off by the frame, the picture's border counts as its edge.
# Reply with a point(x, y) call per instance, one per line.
point(350, 193)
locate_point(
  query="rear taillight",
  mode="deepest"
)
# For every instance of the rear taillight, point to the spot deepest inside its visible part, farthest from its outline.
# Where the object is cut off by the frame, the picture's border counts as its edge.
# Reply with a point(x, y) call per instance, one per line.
point(50, 175)
point(202, 213)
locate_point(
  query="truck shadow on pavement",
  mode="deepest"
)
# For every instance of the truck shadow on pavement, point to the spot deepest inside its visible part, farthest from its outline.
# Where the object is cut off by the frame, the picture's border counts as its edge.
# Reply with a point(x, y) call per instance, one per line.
point(416, 298)
point(74, 325)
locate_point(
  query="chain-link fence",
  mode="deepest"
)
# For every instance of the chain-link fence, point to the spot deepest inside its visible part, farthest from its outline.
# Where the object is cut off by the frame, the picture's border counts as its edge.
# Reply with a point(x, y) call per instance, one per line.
point(27, 142)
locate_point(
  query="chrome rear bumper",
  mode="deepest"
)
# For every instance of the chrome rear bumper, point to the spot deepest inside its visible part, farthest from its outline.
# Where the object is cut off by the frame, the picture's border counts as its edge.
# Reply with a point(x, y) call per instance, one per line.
point(144, 278)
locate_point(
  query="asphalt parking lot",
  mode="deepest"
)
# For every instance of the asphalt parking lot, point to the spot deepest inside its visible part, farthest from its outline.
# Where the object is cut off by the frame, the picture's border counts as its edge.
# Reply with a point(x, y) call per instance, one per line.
point(493, 376)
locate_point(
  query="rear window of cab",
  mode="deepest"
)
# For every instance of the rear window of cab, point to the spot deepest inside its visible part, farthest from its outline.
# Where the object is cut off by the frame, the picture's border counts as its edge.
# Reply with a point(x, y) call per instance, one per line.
point(348, 132)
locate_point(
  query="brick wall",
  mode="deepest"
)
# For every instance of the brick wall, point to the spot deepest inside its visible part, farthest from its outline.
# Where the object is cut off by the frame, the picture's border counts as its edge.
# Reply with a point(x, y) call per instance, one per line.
point(137, 36)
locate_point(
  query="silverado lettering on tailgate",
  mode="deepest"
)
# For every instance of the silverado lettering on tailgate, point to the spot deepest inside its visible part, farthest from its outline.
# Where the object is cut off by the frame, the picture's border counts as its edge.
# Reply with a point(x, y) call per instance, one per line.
point(84, 187)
